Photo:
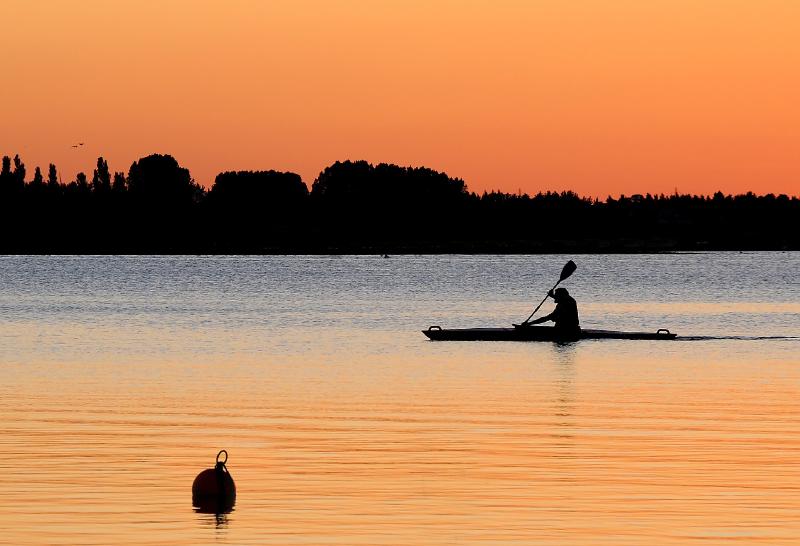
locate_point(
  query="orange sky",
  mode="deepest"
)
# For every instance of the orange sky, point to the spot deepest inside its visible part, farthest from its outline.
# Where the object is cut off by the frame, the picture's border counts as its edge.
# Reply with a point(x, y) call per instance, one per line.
point(601, 97)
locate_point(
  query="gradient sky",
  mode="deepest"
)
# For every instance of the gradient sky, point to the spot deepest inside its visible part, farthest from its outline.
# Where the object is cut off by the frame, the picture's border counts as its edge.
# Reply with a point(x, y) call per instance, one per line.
point(601, 97)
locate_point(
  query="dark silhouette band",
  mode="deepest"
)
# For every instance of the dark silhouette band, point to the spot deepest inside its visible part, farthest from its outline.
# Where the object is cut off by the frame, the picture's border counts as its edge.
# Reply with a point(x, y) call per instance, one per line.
point(357, 207)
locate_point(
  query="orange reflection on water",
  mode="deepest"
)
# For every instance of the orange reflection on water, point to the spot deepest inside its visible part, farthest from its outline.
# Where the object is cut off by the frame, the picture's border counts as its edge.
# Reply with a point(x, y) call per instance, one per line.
point(514, 444)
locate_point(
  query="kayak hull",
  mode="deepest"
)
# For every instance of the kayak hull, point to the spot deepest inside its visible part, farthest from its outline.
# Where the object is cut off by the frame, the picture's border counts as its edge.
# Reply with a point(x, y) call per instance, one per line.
point(536, 333)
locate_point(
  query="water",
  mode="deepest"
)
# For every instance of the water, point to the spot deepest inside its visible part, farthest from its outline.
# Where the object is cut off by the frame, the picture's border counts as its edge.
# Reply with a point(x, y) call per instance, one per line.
point(123, 376)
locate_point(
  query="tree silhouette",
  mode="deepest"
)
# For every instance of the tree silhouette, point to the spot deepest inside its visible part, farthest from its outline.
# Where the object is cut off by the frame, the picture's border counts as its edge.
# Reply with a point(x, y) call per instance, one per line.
point(19, 173)
point(52, 177)
point(119, 184)
point(80, 183)
point(251, 208)
point(6, 178)
point(37, 184)
point(256, 190)
point(101, 180)
point(162, 205)
point(157, 181)
point(374, 205)
point(12, 182)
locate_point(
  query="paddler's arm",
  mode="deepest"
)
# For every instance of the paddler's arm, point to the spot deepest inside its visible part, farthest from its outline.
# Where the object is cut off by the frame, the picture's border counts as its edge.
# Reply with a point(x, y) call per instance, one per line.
point(545, 318)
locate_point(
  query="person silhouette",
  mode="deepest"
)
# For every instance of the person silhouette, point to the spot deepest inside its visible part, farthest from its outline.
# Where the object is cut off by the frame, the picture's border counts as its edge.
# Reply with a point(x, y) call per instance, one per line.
point(565, 315)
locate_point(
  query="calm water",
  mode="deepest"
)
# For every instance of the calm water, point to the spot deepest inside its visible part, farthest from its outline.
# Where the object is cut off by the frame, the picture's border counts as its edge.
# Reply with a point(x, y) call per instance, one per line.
point(123, 376)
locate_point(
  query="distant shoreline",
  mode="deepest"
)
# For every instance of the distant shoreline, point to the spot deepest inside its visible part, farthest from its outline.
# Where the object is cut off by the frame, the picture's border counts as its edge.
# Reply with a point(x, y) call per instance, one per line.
point(390, 253)
point(354, 207)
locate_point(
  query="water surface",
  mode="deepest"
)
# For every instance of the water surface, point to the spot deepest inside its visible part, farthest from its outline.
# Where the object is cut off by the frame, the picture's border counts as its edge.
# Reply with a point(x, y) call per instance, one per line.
point(123, 376)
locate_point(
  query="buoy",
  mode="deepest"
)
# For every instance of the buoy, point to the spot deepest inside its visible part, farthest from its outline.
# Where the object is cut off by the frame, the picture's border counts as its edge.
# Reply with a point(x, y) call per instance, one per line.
point(213, 490)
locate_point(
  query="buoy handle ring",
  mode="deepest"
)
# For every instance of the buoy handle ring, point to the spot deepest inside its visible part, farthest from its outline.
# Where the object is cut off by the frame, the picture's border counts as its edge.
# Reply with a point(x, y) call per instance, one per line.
point(226, 457)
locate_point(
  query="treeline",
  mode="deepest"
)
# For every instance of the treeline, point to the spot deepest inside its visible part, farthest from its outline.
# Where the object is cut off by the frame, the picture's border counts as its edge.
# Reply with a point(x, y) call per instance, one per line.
point(353, 207)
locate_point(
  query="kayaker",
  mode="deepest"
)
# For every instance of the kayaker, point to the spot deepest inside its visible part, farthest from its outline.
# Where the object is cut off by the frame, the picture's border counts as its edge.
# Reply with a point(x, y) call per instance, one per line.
point(565, 315)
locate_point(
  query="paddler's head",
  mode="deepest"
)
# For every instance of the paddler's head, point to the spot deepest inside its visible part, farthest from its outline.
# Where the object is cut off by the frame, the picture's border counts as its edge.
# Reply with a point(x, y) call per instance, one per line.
point(559, 294)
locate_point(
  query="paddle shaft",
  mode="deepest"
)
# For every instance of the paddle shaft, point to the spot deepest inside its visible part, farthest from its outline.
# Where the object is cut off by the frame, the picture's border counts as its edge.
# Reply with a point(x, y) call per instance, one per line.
point(542, 302)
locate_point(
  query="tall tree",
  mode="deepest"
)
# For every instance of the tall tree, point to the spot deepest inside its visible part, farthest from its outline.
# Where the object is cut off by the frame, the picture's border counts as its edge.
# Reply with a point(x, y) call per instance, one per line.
point(6, 178)
point(38, 179)
point(19, 173)
point(101, 180)
point(52, 176)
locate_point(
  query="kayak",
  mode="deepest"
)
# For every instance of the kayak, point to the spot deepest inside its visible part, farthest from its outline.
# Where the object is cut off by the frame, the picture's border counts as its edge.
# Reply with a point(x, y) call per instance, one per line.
point(537, 333)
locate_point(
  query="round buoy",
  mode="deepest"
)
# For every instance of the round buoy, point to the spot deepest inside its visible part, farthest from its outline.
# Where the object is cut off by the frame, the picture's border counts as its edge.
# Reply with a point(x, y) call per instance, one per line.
point(213, 490)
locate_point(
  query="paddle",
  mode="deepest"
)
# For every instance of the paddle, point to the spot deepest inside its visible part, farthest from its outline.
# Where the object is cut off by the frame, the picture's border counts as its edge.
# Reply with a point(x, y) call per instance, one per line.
point(568, 270)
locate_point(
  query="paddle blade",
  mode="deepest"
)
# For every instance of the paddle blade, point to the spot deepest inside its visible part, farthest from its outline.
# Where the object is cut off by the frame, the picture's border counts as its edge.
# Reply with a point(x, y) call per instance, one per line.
point(568, 270)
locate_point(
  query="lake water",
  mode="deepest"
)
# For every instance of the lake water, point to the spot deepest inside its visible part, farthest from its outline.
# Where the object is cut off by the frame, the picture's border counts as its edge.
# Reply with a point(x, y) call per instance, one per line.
point(123, 376)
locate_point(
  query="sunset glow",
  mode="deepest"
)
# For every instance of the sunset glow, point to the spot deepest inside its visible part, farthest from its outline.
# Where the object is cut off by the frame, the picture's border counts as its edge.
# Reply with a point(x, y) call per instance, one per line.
point(594, 96)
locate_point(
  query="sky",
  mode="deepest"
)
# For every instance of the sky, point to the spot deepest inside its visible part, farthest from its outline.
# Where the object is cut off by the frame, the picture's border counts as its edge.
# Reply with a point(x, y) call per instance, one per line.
point(598, 97)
